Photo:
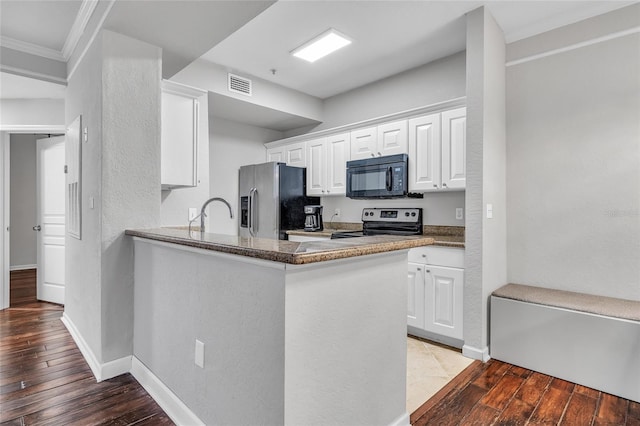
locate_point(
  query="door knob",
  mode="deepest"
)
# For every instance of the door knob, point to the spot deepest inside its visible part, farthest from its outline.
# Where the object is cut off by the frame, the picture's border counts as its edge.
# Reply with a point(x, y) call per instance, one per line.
point(37, 228)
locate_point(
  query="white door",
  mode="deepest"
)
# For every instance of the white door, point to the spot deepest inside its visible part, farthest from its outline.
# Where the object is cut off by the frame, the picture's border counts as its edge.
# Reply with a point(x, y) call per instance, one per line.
point(338, 153)
point(316, 167)
point(454, 140)
point(392, 138)
point(51, 226)
point(443, 300)
point(415, 307)
point(364, 143)
point(424, 153)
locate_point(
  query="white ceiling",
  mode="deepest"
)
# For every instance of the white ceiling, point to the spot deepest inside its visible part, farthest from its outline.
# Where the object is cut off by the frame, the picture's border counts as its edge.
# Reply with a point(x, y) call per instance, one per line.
point(253, 37)
point(388, 37)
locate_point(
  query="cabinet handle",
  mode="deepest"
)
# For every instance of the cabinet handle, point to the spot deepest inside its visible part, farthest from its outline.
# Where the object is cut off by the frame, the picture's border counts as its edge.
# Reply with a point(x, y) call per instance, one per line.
point(328, 191)
point(418, 269)
point(428, 271)
point(379, 155)
point(435, 186)
point(424, 255)
point(323, 191)
point(372, 154)
point(444, 184)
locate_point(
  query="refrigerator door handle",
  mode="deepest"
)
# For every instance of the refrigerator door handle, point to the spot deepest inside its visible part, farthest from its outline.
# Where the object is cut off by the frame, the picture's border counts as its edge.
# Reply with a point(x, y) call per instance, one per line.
point(252, 193)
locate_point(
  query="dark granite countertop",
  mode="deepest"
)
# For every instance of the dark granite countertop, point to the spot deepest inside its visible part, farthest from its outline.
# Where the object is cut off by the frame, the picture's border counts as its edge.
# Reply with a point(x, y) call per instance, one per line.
point(296, 253)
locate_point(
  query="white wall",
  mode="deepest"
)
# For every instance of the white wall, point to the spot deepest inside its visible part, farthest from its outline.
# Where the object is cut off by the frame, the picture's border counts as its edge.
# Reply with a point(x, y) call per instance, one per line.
point(232, 145)
point(485, 248)
point(574, 160)
point(23, 200)
point(438, 81)
point(21, 113)
point(116, 88)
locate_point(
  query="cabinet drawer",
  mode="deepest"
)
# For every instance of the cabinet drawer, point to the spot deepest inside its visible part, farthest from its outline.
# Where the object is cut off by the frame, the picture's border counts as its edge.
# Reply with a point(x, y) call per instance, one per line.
point(443, 256)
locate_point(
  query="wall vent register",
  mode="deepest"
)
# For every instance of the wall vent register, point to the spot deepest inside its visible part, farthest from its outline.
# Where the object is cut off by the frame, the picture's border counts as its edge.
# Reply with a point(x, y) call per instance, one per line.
point(237, 84)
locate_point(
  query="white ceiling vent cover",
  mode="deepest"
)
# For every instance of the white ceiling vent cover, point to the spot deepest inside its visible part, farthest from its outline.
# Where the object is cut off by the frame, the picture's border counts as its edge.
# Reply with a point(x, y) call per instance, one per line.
point(239, 84)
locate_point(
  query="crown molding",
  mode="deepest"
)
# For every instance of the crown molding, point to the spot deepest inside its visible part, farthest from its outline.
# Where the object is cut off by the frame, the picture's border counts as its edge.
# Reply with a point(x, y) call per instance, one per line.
point(32, 49)
point(77, 29)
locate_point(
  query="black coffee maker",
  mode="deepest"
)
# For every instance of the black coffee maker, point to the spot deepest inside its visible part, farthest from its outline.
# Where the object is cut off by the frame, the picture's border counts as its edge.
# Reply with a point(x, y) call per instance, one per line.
point(313, 218)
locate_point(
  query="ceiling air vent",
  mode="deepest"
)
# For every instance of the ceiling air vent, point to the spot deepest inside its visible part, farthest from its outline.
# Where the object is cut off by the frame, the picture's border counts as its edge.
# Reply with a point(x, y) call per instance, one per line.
point(239, 84)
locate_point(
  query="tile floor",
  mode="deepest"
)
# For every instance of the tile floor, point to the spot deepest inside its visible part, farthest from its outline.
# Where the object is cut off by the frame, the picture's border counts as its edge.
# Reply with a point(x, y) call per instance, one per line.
point(430, 366)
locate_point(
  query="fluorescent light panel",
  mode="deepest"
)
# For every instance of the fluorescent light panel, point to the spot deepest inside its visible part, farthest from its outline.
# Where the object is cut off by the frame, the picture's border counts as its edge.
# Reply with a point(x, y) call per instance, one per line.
point(327, 42)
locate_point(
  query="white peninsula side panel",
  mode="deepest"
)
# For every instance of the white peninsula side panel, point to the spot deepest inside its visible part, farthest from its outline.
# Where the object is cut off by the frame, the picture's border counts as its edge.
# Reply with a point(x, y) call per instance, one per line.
point(323, 343)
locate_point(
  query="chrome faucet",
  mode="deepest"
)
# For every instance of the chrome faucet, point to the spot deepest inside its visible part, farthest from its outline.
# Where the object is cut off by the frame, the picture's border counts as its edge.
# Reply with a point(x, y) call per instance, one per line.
point(206, 203)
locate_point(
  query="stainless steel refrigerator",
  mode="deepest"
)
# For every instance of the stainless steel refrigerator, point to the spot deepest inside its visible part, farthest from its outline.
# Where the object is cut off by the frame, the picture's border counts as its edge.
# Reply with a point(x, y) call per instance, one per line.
point(272, 200)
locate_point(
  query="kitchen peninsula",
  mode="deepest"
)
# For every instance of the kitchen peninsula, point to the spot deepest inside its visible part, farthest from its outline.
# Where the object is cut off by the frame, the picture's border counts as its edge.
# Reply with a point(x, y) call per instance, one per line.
point(285, 332)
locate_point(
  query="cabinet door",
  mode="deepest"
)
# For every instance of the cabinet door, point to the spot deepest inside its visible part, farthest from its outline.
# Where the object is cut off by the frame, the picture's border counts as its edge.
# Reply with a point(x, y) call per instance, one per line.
point(443, 300)
point(364, 143)
point(392, 138)
point(424, 153)
point(179, 140)
point(415, 308)
point(454, 139)
point(295, 154)
point(316, 166)
point(338, 153)
point(275, 154)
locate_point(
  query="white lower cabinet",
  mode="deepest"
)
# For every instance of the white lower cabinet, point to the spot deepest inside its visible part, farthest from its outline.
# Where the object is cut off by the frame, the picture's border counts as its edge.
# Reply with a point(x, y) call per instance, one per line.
point(435, 290)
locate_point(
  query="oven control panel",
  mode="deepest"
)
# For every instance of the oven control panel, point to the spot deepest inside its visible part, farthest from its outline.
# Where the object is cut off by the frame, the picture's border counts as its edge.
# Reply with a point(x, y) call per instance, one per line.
point(392, 215)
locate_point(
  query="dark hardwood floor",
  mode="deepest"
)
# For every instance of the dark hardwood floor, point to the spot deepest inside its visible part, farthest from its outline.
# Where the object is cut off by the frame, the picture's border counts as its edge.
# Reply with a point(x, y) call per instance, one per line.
point(497, 393)
point(44, 379)
point(23, 287)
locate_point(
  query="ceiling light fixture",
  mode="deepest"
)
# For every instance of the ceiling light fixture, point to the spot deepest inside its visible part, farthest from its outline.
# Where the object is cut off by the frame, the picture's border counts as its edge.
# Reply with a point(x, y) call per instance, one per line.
point(327, 42)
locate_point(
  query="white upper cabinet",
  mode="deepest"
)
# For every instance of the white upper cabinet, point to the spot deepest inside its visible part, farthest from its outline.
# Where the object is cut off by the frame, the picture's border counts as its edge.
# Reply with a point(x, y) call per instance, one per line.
point(364, 143)
point(437, 151)
point(454, 138)
point(326, 165)
point(384, 139)
point(316, 170)
point(275, 154)
point(392, 138)
point(424, 153)
point(296, 154)
point(179, 135)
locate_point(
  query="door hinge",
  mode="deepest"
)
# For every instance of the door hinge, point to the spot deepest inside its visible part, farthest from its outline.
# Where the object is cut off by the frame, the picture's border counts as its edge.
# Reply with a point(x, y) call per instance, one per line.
point(66, 168)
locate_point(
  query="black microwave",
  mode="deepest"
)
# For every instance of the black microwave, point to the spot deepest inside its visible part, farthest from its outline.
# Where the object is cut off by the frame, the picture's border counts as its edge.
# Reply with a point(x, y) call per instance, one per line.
point(378, 177)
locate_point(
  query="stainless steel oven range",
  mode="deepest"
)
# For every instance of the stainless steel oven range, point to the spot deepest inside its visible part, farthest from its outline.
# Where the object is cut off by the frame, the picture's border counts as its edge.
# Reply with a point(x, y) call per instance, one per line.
point(386, 221)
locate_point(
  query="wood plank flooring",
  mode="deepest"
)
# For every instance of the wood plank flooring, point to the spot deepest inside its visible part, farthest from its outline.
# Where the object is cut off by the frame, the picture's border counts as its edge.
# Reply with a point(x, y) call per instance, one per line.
point(44, 380)
point(497, 393)
point(23, 287)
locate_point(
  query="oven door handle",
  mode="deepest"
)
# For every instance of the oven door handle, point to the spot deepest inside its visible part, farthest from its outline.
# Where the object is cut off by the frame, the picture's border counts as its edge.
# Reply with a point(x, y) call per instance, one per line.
point(389, 178)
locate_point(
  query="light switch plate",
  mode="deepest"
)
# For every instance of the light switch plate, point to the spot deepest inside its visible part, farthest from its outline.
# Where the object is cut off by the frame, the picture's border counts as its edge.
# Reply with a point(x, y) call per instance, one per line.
point(199, 354)
point(459, 213)
point(489, 211)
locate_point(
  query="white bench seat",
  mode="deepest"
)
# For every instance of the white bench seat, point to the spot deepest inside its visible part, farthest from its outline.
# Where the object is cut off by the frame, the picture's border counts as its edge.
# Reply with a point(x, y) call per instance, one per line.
point(590, 340)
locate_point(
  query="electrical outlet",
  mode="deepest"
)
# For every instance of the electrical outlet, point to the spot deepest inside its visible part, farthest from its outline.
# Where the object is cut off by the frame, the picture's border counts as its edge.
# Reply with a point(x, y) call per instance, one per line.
point(459, 213)
point(193, 212)
point(489, 211)
point(336, 212)
point(199, 354)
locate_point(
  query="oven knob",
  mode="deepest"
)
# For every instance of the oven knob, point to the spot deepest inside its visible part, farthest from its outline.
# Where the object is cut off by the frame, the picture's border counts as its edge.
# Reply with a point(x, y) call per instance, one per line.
point(406, 213)
point(413, 214)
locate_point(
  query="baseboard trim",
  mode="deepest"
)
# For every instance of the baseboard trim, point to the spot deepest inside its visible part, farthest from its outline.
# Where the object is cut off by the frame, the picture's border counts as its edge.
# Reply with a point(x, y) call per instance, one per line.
point(166, 399)
point(22, 267)
point(475, 353)
point(403, 420)
point(100, 371)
